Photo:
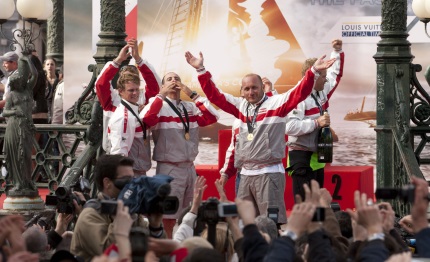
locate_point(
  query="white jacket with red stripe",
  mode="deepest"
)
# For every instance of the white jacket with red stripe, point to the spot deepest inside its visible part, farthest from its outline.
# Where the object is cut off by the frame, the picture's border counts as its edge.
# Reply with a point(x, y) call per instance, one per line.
point(268, 146)
point(168, 131)
point(124, 129)
point(301, 127)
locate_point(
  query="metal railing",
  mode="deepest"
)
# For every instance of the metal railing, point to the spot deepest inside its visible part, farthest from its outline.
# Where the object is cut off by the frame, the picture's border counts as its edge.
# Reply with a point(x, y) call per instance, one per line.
point(55, 149)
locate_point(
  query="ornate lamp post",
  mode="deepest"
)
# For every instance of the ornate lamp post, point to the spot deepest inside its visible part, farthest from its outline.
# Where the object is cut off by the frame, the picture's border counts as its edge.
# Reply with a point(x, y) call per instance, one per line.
point(421, 9)
point(32, 12)
point(24, 194)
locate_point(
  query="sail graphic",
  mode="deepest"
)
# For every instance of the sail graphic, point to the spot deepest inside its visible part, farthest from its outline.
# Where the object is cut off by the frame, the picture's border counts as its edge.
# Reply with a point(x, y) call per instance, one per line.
point(265, 41)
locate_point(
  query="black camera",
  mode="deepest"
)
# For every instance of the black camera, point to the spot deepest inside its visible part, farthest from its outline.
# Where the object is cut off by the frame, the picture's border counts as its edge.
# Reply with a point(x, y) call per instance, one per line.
point(208, 211)
point(64, 196)
point(335, 206)
point(272, 213)
point(405, 193)
point(319, 214)
point(46, 222)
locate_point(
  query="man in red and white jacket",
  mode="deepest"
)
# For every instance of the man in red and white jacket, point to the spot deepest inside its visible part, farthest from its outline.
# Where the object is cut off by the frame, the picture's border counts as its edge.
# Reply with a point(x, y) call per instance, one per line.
point(228, 170)
point(305, 121)
point(125, 133)
point(175, 129)
point(260, 144)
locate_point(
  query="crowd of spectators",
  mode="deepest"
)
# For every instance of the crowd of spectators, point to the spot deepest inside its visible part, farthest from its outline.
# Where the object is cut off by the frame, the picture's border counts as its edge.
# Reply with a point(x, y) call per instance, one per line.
point(370, 232)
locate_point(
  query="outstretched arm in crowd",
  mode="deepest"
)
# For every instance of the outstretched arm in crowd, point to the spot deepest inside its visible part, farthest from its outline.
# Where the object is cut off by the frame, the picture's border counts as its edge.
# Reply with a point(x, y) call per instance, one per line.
point(186, 228)
point(121, 231)
point(282, 249)
point(320, 245)
point(368, 216)
point(254, 245)
point(388, 219)
point(11, 229)
point(419, 216)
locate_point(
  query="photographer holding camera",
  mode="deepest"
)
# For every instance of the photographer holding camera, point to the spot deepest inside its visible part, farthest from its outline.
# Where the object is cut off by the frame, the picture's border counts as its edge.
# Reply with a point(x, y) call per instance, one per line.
point(94, 231)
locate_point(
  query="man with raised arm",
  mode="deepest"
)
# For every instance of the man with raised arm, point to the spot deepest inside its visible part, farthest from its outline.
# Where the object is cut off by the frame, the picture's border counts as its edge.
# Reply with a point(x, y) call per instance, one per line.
point(127, 134)
point(305, 122)
point(260, 144)
point(175, 129)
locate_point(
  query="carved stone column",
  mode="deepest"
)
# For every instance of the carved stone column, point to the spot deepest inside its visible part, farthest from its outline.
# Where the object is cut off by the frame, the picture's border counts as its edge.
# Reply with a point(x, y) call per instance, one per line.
point(55, 33)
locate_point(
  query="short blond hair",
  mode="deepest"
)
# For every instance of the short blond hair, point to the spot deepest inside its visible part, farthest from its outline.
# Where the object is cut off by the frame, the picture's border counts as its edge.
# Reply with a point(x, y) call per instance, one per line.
point(125, 78)
point(307, 64)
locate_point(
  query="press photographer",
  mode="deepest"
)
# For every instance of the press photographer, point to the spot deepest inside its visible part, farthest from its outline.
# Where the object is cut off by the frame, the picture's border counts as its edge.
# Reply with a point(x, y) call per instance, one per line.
point(94, 230)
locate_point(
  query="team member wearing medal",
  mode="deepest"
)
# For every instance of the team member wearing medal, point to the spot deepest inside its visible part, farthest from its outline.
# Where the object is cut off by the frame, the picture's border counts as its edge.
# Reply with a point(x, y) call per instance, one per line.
point(125, 133)
point(260, 143)
point(175, 129)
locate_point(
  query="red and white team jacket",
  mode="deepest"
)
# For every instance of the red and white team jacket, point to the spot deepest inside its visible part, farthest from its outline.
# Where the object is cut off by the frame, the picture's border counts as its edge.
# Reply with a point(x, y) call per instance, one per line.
point(168, 131)
point(268, 146)
point(301, 127)
point(122, 130)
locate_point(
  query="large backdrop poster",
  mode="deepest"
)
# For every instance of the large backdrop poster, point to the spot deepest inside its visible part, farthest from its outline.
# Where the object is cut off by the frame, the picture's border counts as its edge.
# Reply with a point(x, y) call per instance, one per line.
point(268, 37)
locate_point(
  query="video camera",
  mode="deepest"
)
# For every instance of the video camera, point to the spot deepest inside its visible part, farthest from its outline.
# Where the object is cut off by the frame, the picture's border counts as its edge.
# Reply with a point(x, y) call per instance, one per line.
point(405, 193)
point(145, 195)
point(211, 212)
point(64, 196)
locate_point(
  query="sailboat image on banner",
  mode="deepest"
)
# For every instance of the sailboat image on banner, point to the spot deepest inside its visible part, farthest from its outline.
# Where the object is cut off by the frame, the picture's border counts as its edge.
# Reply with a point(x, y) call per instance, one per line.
point(360, 115)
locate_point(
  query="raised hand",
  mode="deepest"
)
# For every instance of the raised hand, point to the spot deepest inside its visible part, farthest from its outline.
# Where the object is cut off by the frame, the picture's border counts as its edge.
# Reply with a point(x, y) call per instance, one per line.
point(166, 89)
point(183, 88)
point(123, 54)
point(322, 64)
point(326, 198)
point(420, 205)
point(388, 216)
point(195, 62)
point(301, 217)
point(267, 84)
point(199, 188)
point(367, 214)
point(63, 221)
point(407, 224)
point(220, 188)
point(122, 222)
point(134, 49)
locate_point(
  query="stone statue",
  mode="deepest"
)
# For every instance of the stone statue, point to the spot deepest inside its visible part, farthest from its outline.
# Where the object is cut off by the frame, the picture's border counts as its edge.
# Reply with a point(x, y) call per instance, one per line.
point(20, 129)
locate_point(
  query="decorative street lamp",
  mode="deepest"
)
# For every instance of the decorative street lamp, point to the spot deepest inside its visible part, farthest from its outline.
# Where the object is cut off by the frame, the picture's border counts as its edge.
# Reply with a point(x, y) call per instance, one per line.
point(33, 12)
point(421, 9)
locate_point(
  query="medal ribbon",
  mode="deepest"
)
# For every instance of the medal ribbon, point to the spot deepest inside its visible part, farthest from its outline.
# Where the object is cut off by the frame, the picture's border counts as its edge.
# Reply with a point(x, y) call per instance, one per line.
point(187, 125)
point(143, 125)
point(251, 124)
point(318, 104)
